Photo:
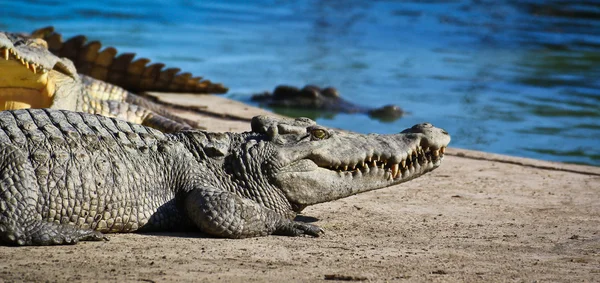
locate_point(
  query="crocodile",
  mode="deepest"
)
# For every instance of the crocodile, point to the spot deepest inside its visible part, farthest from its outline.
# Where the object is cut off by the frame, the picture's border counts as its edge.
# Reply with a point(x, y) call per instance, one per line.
point(31, 76)
point(328, 99)
point(71, 176)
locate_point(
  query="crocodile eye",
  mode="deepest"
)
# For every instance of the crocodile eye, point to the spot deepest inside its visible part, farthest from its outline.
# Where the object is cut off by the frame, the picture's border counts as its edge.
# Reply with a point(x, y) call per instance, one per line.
point(319, 134)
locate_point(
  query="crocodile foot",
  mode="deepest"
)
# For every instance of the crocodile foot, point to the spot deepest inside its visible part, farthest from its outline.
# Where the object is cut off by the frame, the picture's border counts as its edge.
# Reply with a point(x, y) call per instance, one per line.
point(295, 229)
point(49, 233)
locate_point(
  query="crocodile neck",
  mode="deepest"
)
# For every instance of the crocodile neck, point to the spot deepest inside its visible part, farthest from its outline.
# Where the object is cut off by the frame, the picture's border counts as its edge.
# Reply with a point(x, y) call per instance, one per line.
point(231, 159)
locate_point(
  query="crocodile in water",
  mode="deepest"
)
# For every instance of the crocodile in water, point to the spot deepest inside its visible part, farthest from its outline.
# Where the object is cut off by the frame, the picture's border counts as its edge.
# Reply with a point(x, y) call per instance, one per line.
point(328, 99)
point(123, 71)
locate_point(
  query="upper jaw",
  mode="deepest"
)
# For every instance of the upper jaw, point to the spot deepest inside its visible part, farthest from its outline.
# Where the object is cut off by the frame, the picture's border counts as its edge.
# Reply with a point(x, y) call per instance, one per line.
point(392, 167)
point(412, 152)
point(25, 77)
point(33, 54)
point(8, 53)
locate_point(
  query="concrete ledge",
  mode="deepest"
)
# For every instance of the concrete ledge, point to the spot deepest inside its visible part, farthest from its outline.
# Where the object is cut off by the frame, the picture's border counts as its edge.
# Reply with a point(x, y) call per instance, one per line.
point(529, 162)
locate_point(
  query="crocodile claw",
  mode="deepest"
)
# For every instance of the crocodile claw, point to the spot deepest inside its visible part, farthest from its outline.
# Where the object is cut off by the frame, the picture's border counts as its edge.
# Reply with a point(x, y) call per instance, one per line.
point(296, 229)
point(307, 229)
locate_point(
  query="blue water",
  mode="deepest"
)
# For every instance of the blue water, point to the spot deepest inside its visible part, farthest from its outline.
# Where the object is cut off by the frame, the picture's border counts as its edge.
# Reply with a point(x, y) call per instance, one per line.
point(519, 77)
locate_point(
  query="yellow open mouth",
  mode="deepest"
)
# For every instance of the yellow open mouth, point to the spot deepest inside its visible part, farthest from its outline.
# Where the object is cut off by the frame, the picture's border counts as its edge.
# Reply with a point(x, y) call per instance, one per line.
point(23, 84)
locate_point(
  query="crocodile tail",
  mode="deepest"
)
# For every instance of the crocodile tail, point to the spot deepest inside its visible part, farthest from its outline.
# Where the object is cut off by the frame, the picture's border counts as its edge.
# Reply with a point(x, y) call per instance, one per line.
point(122, 70)
point(113, 101)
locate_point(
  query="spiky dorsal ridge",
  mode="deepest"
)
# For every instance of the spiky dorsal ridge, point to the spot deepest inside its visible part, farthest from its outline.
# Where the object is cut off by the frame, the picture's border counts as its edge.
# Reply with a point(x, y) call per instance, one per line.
point(122, 70)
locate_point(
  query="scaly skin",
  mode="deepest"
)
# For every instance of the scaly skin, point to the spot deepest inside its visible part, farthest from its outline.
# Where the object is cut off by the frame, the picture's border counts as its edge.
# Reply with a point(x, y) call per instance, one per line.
point(32, 77)
point(69, 176)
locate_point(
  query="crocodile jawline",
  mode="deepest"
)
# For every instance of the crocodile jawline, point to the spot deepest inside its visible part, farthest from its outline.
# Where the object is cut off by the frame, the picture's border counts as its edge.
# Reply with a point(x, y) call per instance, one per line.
point(23, 84)
point(409, 165)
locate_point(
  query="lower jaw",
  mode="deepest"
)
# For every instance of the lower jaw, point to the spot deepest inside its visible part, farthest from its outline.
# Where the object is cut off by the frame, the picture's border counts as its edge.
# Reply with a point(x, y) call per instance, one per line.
point(20, 98)
point(21, 88)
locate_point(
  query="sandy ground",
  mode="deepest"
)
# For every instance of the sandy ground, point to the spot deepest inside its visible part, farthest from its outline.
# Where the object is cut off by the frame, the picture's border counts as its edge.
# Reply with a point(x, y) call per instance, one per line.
point(479, 217)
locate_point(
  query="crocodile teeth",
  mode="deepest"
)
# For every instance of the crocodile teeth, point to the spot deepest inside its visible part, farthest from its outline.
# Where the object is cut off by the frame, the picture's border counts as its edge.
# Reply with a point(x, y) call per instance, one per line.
point(33, 67)
point(413, 160)
point(394, 170)
point(5, 53)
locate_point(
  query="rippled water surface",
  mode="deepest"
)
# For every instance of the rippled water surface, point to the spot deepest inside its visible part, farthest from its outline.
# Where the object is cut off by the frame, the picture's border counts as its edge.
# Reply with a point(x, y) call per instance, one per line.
point(512, 77)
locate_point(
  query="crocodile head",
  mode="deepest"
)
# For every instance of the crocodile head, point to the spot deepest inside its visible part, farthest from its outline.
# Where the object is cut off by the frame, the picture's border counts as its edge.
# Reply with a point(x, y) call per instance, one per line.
point(312, 164)
point(31, 76)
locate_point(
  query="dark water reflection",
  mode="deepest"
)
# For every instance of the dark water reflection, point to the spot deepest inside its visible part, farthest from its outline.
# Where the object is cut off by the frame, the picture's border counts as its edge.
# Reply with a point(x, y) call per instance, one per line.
point(516, 77)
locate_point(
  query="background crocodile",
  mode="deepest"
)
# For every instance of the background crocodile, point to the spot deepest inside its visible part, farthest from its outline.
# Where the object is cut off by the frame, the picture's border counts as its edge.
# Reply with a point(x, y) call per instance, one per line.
point(327, 99)
point(31, 76)
point(70, 176)
point(86, 78)
point(134, 76)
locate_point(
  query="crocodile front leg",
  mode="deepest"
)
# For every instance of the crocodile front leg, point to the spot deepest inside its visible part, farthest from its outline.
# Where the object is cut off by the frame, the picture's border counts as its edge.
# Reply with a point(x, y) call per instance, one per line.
point(20, 223)
point(224, 214)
